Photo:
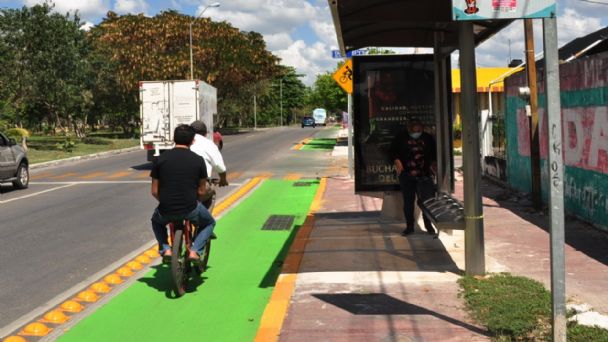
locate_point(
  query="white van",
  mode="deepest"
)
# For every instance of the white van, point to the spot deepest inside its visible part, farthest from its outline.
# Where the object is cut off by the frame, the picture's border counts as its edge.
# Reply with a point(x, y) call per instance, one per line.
point(320, 115)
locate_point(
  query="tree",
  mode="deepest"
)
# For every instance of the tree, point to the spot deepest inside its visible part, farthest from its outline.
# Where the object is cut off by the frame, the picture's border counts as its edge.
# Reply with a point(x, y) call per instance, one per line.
point(45, 73)
point(326, 93)
point(134, 48)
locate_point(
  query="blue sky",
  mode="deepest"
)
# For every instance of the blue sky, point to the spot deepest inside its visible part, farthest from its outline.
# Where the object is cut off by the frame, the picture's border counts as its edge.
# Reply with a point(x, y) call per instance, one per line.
point(301, 32)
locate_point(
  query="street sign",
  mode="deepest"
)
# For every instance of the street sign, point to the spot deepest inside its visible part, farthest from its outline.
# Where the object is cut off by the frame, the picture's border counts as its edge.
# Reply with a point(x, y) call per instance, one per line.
point(349, 54)
point(344, 76)
point(502, 9)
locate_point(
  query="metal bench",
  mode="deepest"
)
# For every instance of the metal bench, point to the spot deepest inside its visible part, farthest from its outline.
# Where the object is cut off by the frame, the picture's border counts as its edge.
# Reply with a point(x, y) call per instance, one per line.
point(444, 211)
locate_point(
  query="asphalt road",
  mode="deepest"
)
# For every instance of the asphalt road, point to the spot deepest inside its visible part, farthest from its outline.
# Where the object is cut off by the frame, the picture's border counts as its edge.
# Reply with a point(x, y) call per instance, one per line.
point(77, 219)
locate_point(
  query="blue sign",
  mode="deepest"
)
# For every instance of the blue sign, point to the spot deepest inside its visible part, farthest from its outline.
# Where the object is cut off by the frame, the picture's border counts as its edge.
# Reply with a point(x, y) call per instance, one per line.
point(349, 54)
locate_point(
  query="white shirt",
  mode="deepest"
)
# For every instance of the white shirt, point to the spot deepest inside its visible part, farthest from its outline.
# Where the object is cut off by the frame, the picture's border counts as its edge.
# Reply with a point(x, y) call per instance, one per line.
point(209, 151)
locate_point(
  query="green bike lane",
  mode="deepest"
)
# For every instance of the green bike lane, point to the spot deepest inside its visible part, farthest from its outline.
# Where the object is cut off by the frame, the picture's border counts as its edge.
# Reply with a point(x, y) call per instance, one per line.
point(229, 300)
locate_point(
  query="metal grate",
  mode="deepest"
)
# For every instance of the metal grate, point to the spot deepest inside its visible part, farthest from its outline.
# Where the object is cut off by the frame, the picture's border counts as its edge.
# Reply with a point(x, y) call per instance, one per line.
point(279, 222)
point(302, 184)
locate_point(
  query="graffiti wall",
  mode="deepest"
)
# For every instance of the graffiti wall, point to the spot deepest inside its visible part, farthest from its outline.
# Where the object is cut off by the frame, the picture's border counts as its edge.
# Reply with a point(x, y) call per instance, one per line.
point(584, 99)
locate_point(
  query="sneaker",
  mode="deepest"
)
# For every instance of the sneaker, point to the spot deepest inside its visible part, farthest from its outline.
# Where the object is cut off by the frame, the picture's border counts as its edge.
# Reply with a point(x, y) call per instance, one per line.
point(193, 256)
point(167, 254)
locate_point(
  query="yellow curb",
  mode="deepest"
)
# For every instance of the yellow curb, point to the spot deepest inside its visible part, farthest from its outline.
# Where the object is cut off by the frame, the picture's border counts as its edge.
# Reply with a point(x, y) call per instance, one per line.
point(278, 305)
point(301, 144)
point(242, 191)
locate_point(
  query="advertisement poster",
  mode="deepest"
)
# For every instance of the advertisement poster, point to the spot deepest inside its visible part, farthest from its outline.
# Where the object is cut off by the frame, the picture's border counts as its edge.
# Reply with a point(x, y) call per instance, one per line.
point(502, 9)
point(389, 91)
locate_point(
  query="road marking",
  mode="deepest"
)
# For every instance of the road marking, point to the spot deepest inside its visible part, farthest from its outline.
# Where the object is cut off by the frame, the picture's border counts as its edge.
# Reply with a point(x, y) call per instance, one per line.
point(265, 175)
point(65, 175)
point(42, 175)
point(143, 174)
point(36, 193)
point(292, 176)
point(236, 196)
point(92, 182)
point(93, 175)
point(301, 144)
point(278, 305)
point(119, 175)
point(234, 175)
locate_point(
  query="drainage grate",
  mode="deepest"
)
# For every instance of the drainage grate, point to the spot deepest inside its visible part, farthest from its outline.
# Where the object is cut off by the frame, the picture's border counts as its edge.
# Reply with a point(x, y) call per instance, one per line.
point(279, 222)
point(302, 184)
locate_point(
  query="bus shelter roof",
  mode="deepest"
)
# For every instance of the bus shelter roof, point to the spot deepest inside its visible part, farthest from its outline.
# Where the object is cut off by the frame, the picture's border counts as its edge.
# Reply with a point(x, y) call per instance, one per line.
point(402, 23)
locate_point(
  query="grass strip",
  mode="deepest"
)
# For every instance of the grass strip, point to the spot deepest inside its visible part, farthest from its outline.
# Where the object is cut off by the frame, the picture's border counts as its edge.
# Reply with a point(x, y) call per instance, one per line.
point(43, 148)
point(515, 308)
point(317, 144)
point(228, 302)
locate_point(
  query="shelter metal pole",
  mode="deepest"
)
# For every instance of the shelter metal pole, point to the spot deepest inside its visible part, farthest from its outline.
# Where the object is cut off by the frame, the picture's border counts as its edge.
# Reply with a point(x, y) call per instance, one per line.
point(473, 210)
point(556, 179)
point(351, 162)
point(441, 117)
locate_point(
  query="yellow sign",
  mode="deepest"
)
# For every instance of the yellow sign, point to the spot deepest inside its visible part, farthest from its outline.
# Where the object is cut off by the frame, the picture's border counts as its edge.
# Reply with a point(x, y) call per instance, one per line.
point(344, 76)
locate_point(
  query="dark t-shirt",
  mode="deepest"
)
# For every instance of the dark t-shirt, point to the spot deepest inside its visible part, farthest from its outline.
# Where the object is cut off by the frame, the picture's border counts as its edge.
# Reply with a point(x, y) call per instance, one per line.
point(179, 172)
point(416, 155)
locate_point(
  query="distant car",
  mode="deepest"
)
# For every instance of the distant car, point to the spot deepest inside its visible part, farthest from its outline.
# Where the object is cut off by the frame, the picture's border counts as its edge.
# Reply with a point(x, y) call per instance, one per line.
point(14, 166)
point(308, 121)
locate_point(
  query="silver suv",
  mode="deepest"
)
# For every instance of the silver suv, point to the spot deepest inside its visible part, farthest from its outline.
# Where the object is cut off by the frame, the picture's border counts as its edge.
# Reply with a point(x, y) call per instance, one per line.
point(14, 166)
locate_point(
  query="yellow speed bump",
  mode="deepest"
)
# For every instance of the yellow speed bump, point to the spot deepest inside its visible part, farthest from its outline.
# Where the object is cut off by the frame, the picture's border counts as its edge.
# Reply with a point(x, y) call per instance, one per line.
point(72, 306)
point(14, 339)
point(144, 259)
point(55, 317)
point(36, 329)
point(152, 253)
point(124, 272)
point(101, 287)
point(88, 296)
point(134, 265)
point(113, 279)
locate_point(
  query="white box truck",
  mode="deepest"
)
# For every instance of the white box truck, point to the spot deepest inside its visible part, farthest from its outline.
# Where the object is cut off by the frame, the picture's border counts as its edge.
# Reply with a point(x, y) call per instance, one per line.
point(165, 105)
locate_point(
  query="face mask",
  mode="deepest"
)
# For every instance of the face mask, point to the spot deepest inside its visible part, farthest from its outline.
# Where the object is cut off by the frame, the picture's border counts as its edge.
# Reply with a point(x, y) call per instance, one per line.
point(415, 135)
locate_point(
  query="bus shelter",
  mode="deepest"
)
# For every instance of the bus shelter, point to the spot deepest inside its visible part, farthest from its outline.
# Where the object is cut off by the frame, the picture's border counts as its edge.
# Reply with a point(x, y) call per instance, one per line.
point(439, 24)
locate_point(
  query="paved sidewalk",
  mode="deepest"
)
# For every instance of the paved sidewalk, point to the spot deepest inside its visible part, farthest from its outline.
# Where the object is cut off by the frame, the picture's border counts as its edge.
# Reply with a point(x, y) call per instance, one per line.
point(359, 280)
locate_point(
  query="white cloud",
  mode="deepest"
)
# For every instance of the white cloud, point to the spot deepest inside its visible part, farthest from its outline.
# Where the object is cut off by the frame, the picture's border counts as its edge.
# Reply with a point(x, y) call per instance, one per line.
point(130, 6)
point(278, 41)
point(307, 59)
point(88, 10)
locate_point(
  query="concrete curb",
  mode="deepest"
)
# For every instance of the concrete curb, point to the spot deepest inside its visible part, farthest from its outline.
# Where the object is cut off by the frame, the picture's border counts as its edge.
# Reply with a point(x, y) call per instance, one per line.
point(84, 157)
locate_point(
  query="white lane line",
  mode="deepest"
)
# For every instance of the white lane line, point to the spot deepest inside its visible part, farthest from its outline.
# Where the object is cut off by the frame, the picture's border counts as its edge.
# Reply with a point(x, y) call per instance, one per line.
point(92, 182)
point(36, 193)
point(103, 182)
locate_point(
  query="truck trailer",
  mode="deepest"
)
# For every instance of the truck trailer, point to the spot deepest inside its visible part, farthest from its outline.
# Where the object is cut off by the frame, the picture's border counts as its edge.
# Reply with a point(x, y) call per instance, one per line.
point(165, 105)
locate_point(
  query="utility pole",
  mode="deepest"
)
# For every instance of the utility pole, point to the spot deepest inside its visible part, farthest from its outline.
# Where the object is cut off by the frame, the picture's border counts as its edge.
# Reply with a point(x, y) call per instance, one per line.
point(533, 119)
point(281, 96)
point(255, 113)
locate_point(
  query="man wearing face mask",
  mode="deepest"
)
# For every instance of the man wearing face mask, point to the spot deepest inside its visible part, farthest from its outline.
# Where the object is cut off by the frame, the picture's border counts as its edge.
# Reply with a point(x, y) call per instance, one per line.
point(414, 155)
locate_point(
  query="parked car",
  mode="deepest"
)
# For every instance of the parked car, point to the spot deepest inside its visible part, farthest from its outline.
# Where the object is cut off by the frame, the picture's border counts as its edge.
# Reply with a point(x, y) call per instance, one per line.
point(14, 165)
point(308, 121)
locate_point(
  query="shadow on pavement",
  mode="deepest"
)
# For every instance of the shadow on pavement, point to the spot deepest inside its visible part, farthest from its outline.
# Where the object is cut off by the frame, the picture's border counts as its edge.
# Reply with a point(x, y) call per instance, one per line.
point(142, 167)
point(162, 282)
point(579, 235)
point(382, 304)
point(6, 188)
point(273, 272)
point(362, 241)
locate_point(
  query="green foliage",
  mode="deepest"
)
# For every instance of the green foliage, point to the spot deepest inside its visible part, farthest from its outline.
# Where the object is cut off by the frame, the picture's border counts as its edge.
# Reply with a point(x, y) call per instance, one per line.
point(67, 145)
point(327, 94)
point(18, 133)
point(581, 333)
point(44, 66)
point(507, 305)
point(96, 141)
point(518, 309)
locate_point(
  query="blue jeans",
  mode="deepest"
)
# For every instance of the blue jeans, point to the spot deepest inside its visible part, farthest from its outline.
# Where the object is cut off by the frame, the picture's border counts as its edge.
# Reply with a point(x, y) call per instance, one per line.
point(199, 216)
